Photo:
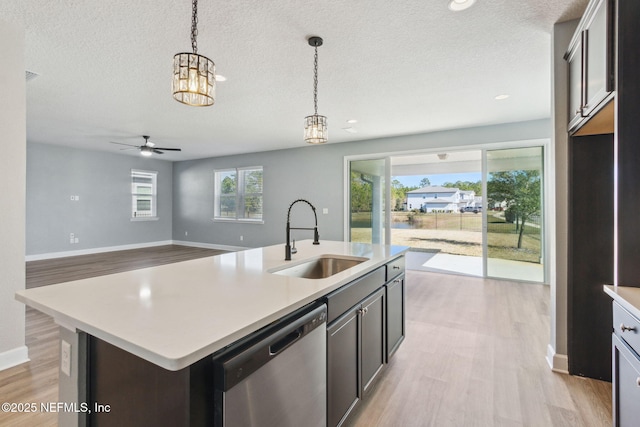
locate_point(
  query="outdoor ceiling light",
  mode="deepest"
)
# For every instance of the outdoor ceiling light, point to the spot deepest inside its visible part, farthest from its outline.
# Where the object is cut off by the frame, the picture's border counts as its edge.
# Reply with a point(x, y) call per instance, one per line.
point(315, 126)
point(194, 81)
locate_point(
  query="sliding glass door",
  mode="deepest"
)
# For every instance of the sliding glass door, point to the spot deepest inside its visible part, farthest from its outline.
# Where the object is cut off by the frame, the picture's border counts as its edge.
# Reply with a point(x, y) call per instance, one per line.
point(367, 192)
point(514, 225)
point(475, 212)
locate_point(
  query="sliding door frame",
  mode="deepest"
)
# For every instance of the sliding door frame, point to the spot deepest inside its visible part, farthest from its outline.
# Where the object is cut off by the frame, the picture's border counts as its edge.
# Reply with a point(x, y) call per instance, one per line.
point(548, 213)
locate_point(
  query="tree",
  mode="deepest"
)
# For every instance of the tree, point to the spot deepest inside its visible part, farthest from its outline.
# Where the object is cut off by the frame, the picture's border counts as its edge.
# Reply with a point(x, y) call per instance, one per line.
point(520, 190)
point(424, 182)
point(398, 194)
point(361, 193)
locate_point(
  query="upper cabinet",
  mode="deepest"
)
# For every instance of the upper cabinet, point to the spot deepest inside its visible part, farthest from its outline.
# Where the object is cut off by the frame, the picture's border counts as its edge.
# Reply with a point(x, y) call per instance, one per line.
point(591, 71)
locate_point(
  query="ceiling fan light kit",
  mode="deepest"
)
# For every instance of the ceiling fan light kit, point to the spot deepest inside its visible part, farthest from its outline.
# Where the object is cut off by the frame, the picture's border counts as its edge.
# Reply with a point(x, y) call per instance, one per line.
point(315, 126)
point(148, 148)
point(194, 81)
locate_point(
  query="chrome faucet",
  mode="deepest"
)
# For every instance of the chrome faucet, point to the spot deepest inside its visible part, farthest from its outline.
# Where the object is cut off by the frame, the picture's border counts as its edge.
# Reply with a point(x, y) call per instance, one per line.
point(316, 237)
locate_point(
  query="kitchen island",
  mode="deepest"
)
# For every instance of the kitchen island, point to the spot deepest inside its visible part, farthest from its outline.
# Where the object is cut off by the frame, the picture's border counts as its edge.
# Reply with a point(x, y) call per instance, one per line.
point(175, 315)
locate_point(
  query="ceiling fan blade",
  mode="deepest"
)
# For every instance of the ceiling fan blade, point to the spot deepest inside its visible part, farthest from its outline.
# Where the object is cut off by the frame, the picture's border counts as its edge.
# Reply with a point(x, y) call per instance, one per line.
point(129, 149)
point(157, 152)
point(169, 149)
point(120, 143)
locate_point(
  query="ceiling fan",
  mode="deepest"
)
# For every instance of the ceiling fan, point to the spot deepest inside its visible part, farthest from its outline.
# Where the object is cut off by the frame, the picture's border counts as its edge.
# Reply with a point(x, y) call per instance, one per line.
point(148, 148)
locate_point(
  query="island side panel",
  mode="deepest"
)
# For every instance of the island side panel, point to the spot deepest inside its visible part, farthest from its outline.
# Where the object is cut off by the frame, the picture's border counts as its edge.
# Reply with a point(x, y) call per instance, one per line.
point(135, 391)
point(72, 386)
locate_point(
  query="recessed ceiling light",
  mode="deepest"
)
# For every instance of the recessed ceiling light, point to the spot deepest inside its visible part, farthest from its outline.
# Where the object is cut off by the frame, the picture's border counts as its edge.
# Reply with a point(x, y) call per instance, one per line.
point(458, 5)
point(220, 78)
point(501, 97)
point(352, 121)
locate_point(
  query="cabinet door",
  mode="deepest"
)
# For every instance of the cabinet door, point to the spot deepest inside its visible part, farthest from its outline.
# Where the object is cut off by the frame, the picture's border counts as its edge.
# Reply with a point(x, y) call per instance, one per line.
point(395, 315)
point(597, 58)
point(372, 339)
point(574, 60)
point(626, 385)
point(342, 367)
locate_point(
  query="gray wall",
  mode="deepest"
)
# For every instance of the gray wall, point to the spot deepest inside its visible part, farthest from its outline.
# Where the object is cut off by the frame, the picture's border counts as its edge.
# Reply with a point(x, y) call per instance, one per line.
point(557, 353)
point(101, 218)
point(311, 172)
point(12, 188)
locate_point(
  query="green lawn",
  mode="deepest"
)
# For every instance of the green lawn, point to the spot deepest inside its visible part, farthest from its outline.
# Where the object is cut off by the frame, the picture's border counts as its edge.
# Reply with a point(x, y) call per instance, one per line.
point(456, 233)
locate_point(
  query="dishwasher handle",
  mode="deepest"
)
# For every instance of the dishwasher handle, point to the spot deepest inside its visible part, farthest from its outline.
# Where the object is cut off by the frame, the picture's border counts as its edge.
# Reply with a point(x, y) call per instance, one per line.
point(285, 342)
point(237, 366)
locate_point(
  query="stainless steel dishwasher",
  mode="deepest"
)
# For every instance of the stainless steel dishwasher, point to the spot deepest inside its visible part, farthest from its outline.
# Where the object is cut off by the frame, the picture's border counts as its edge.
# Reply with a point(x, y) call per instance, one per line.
point(279, 378)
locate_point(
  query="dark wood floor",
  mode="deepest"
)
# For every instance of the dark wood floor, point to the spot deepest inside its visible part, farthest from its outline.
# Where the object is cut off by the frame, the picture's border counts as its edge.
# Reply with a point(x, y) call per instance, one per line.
point(474, 353)
point(58, 270)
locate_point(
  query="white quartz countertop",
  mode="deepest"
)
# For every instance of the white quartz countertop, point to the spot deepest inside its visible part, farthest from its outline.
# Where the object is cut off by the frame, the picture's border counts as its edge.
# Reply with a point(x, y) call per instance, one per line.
point(626, 296)
point(174, 315)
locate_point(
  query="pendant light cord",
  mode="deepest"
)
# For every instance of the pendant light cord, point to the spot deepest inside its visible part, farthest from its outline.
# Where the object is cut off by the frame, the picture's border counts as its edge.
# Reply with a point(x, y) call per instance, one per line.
point(194, 26)
point(315, 81)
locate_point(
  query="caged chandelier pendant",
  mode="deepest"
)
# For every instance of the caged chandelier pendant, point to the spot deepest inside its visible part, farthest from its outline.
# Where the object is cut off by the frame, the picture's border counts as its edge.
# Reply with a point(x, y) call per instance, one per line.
point(194, 80)
point(315, 126)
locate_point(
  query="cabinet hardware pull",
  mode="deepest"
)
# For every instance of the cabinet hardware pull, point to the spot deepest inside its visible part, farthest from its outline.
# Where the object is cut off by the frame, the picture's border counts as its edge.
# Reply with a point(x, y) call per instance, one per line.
point(396, 281)
point(395, 267)
point(638, 381)
point(625, 328)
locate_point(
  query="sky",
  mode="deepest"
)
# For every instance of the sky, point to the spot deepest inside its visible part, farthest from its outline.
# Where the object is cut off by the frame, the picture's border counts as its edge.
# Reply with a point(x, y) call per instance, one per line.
point(414, 180)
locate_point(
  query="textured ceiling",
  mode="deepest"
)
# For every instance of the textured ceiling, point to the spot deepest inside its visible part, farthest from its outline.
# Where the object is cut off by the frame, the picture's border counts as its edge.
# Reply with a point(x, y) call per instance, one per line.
point(398, 67)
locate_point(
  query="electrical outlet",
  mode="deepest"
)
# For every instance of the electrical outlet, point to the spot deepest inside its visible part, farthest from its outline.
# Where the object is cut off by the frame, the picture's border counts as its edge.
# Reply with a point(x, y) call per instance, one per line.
point(325, 211)
point(65, 357)
point(72, 238)
point(186, 233)
point(241, 238)
point(76, 240)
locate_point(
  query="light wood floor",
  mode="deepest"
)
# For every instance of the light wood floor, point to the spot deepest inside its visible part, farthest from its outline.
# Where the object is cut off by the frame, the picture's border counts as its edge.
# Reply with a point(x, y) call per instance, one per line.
point(473, 356)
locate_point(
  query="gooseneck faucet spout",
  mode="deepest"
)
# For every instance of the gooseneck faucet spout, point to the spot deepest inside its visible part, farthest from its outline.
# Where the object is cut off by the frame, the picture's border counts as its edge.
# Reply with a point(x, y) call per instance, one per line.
point(316, 236)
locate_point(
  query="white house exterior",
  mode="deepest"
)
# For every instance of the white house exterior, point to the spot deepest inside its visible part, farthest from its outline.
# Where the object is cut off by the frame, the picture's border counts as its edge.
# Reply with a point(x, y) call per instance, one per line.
point(441, 199)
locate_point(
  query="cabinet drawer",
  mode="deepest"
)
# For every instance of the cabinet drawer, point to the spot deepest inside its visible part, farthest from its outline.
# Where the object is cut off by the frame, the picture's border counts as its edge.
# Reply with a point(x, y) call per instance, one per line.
point(352, 293)
point(395, 268)
point(626, 326)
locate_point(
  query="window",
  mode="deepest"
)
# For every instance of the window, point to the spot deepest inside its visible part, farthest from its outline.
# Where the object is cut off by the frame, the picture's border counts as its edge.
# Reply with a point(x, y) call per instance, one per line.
point(238, 194)
point(143, 194)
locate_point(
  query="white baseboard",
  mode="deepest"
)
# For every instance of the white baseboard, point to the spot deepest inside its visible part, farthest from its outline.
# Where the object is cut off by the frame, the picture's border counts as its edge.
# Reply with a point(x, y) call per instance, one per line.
point(557, 362)
point(13, 357)
point(52, 255)
point(209, 246)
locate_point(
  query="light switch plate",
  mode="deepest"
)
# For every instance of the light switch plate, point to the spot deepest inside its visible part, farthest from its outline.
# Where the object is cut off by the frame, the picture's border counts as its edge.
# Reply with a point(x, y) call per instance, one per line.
point(65, 357)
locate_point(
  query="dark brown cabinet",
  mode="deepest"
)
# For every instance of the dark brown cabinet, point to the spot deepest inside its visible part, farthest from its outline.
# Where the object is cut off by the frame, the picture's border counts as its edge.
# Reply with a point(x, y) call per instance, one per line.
point(366, 326)
point(590, 58)
point(372, 338)
point(395, 315)
point(355, 356)
point(343, 362)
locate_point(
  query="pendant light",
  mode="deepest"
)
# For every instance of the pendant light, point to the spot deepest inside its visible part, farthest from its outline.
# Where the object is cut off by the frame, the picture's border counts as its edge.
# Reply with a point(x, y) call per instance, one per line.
point(194, 75)
point(315, 126)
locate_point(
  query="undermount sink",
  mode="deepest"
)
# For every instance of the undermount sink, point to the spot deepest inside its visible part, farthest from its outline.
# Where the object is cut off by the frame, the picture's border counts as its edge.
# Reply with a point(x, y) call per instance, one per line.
point(321, 267)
